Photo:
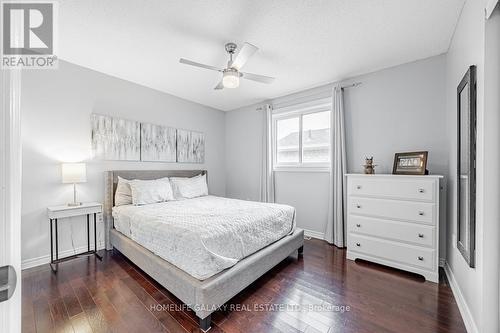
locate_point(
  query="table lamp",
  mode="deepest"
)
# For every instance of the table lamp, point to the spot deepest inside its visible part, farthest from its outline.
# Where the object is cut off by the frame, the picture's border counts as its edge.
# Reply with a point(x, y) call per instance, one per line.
point(73, 173)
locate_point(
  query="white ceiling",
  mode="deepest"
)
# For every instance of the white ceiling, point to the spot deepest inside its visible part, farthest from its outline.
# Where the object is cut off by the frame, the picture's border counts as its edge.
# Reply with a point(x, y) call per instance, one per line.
point(302, 43)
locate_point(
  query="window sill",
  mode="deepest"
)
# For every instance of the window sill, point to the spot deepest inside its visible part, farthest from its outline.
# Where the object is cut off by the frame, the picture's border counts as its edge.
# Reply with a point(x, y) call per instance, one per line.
point(302, 169)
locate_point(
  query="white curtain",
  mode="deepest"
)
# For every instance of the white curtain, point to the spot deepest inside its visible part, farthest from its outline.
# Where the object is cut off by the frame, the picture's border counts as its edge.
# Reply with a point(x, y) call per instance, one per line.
point(336, 230)
point(266, 173)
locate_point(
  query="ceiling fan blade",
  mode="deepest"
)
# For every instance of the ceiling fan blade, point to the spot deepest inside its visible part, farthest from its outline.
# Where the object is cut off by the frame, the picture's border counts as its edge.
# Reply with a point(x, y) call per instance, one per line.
point(258, 78)
point(197, 64)
point(220, 86)
point(245, 53)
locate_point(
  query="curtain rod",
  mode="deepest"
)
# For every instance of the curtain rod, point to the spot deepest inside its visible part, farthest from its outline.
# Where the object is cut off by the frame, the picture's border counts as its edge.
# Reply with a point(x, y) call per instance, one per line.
point(352, 85)
point(355, 84)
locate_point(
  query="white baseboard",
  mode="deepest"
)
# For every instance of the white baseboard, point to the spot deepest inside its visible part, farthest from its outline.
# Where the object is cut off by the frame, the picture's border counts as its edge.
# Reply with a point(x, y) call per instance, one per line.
point(43, 260)
point(470, 325)
point(314, 234)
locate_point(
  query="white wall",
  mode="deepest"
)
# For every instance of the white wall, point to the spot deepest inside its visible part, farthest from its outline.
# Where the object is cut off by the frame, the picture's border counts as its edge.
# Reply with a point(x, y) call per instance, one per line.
point(467, 48)
point(397, 109)
point(56, 107)
point(491, 227)
point(308, 193)
point(243, 153)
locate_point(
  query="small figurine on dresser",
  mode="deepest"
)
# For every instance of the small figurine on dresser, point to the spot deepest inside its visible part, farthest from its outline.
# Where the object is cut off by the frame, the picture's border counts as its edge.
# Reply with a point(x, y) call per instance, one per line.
point(369, 166)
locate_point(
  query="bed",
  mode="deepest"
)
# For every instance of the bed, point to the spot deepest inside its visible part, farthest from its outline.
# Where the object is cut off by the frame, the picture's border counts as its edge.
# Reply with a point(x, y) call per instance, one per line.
point(183, 244)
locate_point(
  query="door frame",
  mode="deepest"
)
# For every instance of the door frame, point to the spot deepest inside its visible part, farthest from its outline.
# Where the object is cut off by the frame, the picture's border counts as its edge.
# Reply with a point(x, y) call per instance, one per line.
point(10, 192)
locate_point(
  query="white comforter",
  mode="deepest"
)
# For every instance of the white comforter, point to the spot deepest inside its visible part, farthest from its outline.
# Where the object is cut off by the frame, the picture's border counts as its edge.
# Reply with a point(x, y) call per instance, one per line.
point(206, 235)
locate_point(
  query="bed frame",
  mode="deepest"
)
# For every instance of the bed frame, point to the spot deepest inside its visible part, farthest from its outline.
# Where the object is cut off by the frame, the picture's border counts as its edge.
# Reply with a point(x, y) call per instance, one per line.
point(203, 297)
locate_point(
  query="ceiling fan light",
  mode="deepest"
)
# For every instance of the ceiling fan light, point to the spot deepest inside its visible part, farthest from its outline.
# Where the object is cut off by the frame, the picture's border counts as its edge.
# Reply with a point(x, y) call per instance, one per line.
point(231, 79)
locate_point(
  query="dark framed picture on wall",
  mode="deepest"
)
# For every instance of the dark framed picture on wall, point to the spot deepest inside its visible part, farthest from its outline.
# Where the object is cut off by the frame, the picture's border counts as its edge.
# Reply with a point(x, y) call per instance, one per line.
point(410, 163)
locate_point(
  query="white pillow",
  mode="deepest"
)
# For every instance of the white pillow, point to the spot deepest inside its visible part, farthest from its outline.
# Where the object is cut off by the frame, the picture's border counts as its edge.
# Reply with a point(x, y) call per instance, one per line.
point(151, 191)
point(123, 194)
point(187, 188)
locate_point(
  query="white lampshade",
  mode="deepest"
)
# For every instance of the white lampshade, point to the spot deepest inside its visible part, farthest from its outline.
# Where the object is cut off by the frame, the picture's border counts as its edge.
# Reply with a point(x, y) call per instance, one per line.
point(74, 173)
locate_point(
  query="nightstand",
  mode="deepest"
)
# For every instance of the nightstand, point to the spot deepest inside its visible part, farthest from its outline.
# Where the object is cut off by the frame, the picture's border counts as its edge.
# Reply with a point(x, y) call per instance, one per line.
point(64, 211)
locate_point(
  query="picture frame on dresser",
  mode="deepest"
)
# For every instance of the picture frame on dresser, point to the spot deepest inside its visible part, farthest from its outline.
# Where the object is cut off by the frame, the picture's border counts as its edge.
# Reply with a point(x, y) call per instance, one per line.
point(466, 166)
point(410, 163)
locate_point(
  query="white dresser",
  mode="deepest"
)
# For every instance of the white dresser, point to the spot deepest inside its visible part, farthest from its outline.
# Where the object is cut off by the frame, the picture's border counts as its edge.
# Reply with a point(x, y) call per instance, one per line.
point(394, 220)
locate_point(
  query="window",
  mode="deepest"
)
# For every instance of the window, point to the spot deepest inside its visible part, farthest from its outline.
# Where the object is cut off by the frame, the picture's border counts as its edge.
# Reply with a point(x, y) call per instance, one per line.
point(288, 140)
point(316, 137)
point(302, 138)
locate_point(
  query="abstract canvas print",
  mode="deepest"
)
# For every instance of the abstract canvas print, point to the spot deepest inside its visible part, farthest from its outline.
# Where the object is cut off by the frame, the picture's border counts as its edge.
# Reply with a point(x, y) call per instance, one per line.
point(115, 138)
point(158, 143)
point(190, 147)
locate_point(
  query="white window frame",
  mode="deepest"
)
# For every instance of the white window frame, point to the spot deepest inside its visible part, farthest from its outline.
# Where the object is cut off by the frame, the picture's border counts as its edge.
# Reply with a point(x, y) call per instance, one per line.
point(298, 112)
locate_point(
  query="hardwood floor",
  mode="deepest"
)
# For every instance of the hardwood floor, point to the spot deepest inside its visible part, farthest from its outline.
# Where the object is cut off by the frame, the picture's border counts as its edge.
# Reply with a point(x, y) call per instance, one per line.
point(115, 296)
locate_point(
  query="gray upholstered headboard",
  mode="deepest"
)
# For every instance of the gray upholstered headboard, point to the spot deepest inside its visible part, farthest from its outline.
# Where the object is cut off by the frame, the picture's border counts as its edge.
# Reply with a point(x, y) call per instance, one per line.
point(111, 181)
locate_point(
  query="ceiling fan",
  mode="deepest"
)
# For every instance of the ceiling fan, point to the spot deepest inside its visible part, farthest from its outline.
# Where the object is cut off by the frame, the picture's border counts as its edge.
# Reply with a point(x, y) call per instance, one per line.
point(231, 74)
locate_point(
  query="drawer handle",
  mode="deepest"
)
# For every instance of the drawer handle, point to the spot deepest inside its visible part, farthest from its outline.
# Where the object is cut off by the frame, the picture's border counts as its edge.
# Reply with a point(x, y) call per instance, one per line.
point(420, 258)
point(358, 206)
point(421, 213)
point(358, 225)
point(358, 187)
point(357, 244)
point(421, 190)
point(421, 235)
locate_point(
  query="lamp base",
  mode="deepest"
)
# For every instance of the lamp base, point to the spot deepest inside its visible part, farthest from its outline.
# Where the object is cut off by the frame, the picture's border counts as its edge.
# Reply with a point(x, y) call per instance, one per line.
point(74, 203)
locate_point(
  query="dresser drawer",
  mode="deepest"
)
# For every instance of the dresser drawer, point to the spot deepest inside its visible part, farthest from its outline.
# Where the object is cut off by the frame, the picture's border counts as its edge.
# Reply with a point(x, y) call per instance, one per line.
point(419, 212)
point(394, 230)
point(394, 188)
point(401, 253)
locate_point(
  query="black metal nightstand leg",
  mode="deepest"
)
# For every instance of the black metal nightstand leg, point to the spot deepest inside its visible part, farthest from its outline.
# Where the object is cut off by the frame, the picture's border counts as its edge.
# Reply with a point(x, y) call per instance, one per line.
point(88, 233)
point(53, 263)
point(57, 242)
point(95, 238)
point(95, 233)
point(51, 243)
